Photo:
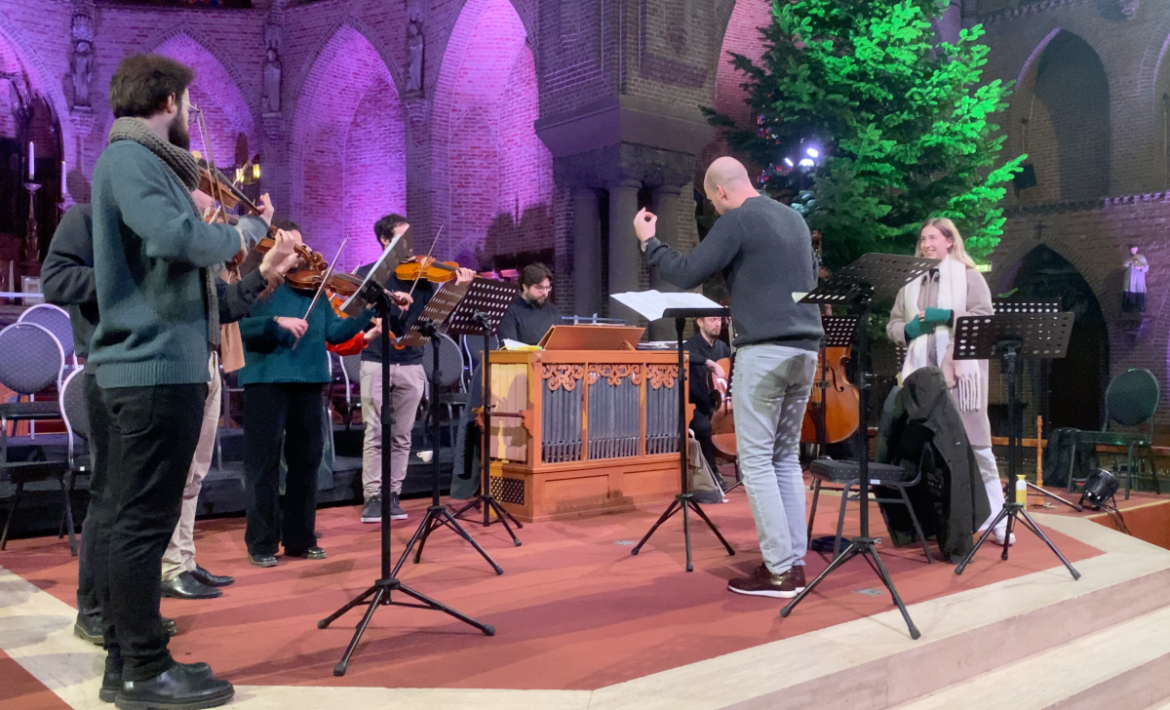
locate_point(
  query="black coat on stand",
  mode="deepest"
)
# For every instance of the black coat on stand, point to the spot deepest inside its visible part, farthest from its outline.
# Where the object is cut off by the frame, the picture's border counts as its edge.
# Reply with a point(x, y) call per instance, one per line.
point(951, 501)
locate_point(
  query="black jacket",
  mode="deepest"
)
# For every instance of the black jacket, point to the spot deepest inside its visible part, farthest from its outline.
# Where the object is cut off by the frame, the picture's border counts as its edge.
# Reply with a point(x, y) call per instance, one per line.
point(925, 414)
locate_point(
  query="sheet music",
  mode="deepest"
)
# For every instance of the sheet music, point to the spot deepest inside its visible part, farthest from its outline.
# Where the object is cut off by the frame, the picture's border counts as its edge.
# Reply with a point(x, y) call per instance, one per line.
point(651, 304)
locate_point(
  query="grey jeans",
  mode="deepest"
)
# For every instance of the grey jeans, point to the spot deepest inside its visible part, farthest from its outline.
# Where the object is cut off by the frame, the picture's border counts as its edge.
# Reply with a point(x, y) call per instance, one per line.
point(770, 391)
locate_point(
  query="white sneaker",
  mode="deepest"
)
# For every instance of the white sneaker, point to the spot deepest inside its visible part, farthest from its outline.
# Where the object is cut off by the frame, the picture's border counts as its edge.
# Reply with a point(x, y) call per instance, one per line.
point(998, 539)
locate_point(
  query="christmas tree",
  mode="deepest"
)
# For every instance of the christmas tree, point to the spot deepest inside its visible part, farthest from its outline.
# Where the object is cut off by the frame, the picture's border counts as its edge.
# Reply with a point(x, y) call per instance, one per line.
point(870, 124)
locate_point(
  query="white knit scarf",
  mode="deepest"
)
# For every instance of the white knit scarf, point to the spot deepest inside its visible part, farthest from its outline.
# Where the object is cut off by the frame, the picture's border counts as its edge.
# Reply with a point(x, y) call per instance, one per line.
point(952, 296)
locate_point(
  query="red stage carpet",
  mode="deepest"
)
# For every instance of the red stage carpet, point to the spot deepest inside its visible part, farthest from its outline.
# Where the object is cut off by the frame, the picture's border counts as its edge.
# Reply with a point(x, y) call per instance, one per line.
point(574, 610)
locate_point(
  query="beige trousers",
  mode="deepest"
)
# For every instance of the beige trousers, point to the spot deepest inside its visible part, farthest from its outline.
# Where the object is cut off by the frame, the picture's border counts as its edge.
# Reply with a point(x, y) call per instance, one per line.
point(180, 554)
point(406, 383)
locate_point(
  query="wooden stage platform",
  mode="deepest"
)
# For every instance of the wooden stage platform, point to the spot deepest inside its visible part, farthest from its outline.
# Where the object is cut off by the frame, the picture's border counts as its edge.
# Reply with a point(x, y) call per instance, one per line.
point(583, 624)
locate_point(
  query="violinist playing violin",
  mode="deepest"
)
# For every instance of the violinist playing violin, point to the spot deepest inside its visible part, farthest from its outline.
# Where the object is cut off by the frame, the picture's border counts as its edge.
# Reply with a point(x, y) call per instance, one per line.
point(706, 350)
point(407, 379)
point(159, 322)
point(283, 379)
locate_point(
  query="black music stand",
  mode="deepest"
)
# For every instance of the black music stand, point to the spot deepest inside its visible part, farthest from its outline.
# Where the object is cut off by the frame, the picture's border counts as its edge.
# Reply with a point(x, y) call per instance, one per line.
point(373, 293)
point(1036, 335)
point(425, 330)
point(838, 334)
point(872, 277)
point(685, 500)
point(1010, 306)
point(480, 312)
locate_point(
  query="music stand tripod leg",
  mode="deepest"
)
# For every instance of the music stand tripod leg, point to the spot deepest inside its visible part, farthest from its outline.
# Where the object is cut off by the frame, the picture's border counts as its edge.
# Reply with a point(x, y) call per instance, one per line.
point(437, 513)
point(485, 497)
point(387, 582)
point(685, 499)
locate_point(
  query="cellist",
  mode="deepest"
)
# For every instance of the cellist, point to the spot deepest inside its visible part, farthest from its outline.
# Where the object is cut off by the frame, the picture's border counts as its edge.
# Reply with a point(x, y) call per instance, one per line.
point(706, 350)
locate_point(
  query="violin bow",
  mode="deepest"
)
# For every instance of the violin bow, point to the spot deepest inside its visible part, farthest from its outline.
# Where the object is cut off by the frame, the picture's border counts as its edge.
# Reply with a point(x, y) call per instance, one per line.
point(422, 264)
point(201, 124)
point(325, 279)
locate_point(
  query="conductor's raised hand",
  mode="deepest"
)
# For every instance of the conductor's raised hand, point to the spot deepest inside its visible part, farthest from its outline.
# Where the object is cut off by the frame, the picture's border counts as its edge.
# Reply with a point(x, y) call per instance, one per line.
point(645, 224)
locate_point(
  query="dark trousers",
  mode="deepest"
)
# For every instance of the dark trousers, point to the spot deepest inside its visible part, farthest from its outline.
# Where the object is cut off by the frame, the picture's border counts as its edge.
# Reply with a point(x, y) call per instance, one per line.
point(152, 436)
point(701, 426)
point(88, 603)
point(288, 415)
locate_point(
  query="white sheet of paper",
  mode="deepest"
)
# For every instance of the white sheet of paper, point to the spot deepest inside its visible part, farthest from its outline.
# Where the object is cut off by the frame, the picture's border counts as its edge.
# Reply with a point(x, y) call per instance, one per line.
point(510, 344)
point(651, 304)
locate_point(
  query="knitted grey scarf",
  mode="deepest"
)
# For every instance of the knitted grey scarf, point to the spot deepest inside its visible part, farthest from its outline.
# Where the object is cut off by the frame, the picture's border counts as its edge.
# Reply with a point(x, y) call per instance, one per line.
point(182, 167)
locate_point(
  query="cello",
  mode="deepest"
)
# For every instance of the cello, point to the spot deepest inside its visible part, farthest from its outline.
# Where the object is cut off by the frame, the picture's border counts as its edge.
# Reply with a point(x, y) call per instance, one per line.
point(832, 412)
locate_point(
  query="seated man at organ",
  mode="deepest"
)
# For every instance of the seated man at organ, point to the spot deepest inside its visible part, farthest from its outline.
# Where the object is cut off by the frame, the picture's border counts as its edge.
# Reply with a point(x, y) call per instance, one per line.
point(531, 314)
point(706, 350)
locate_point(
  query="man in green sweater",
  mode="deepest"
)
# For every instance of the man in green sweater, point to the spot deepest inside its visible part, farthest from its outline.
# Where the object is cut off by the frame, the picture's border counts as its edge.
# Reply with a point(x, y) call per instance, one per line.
point(159, 322)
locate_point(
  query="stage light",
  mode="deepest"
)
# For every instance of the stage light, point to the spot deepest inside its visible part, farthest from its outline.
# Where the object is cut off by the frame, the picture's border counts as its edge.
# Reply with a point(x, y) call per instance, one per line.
point(788, 162)
point(197, 155)
point(813, 153)
point(807, 163)
point(255, 171)
point(1100, 487)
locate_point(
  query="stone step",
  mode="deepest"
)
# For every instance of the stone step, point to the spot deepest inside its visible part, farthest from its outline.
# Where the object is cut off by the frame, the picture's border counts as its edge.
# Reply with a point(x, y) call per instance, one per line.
point(872, 664)
point(1124, 667)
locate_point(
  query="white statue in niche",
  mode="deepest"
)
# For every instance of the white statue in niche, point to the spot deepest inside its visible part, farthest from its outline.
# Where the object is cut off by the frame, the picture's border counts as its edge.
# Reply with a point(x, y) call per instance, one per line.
point(1134, 298)
point(272, 69)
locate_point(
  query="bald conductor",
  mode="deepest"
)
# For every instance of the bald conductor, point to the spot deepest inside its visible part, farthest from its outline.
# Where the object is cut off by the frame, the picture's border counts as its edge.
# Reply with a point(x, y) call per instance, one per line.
point(765, 253)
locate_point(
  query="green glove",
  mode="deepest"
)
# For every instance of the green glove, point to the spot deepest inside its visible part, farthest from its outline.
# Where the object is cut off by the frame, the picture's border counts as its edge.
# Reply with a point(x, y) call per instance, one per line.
point(938, 316)
point(916, 328)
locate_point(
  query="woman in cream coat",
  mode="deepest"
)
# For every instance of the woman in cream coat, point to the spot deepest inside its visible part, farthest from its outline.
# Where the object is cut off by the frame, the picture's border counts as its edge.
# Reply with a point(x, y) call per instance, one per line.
point(924, 313)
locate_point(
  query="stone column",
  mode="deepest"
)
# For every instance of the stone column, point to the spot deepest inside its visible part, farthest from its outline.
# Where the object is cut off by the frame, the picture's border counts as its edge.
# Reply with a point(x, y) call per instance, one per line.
point(665, 205)
point(586, 252)
point(625, 253)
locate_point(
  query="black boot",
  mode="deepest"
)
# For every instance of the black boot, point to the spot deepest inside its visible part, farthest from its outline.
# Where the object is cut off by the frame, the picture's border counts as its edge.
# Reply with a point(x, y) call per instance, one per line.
point(112, 680)
point(180, 687)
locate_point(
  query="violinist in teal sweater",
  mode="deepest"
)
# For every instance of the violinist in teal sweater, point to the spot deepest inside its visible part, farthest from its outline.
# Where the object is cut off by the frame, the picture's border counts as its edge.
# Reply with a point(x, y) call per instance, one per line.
point(286, 368)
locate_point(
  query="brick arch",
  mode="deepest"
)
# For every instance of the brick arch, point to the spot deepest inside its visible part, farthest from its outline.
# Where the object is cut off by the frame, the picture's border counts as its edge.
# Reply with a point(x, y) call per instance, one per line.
point(1059, 122)
point(740, 35)
point(347, 157)
point(491, 169)
point(248, 90)
point(218, 92)
point(26, 59)
point(312, 59)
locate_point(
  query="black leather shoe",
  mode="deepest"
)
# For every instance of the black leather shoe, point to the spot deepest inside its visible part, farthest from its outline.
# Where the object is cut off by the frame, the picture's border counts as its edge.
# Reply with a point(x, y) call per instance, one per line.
point(211, 580)
point(170, 626)
point(262, 560)
point(89, 627)
point(112, 680)
point(313, 553)
point(185, 586)
point(176, 688)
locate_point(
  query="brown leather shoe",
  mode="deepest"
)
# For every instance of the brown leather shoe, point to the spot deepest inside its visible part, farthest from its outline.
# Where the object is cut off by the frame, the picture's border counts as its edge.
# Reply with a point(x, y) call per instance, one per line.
point(762, 583)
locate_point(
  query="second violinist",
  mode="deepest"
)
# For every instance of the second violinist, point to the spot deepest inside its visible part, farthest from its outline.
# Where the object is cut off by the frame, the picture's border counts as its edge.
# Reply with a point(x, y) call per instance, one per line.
point(407, 381)
point(283, 378)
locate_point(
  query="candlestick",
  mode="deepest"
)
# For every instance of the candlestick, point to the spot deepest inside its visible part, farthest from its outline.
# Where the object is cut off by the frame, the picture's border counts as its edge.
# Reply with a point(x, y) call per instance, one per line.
point(32, 161)
point(64, 190)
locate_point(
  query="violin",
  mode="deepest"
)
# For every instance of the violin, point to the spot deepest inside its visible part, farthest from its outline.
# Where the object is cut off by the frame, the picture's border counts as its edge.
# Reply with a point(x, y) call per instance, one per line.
point(426, 268)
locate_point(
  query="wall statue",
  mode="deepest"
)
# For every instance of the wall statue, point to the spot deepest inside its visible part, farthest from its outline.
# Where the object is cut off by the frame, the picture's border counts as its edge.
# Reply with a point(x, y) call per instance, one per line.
point(82, 59)
point(272, 71)
point(415, 46)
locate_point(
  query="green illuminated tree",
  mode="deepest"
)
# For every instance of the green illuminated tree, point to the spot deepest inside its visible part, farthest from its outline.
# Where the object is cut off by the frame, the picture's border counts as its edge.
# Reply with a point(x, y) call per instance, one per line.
point(900, 122)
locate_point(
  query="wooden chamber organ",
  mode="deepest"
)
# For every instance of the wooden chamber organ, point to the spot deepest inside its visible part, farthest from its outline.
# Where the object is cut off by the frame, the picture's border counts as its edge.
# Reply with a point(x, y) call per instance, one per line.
point(583, 432)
